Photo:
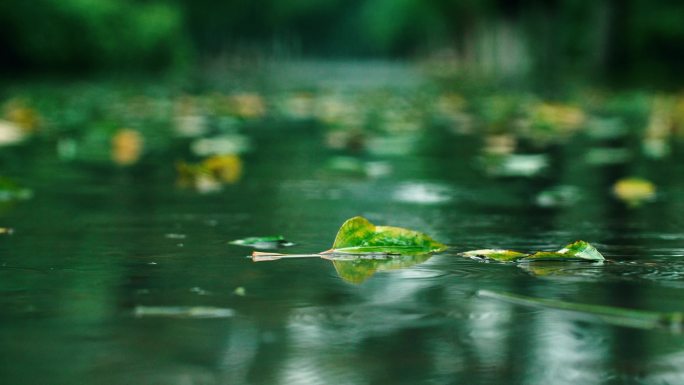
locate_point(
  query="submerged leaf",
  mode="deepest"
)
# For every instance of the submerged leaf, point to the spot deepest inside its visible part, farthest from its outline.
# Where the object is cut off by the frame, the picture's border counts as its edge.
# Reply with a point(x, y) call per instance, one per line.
point(359, 236)
point(271, 242)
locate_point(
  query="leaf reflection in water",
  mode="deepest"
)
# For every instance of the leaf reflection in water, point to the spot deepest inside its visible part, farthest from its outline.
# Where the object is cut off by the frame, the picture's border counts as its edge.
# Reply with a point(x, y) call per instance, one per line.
point(354, 268)
point(641, 319)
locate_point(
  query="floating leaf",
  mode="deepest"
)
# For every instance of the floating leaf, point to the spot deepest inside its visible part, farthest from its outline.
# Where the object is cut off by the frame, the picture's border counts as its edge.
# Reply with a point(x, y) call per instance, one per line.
point(422, 193)
point(224, 144)
point(582, 250)
point(226, 168)
point(247, 105)
point(191, 125)
point(358, 236)
point(10, 133)
point(19, 112)
point(579, 250)
point(127, 146)
point(361, 248)
point(602, 156)
point(515, 165)
point(183, 312)
point(263, 243)
point(559, 196)
point(211, 174)
point(674, 322)
point(496, 254)
point(6, 231)
point(350, 166)
point(557, 117)
point(634, 191)
point(10, 191)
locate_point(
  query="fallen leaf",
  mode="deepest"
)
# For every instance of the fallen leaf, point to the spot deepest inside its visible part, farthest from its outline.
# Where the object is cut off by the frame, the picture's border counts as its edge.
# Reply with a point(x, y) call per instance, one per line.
point(579, 250)
point(263, 243)
point(183, 311)
point(127, 147)
point(361, 248)
point(357, 236)
point(634, 191)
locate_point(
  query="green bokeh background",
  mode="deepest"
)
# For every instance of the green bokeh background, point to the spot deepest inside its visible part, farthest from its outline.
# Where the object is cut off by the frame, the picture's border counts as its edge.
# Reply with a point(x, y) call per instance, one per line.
point(632, 41)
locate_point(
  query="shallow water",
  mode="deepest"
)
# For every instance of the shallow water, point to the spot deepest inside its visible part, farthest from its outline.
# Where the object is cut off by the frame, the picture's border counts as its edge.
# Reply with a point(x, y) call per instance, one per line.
point(96, 243)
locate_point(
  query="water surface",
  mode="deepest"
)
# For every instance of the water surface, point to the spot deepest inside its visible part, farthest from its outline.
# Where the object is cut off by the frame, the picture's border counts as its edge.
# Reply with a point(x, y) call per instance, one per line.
point(97, 242)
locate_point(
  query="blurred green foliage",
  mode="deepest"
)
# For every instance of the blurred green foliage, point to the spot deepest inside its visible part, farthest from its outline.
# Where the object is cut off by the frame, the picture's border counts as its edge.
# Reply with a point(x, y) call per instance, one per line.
point(632, 39)
point(72, 35)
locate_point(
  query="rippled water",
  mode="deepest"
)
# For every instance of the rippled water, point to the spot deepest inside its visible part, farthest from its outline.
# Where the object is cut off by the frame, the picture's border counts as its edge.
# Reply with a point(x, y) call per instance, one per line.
point(93, 245)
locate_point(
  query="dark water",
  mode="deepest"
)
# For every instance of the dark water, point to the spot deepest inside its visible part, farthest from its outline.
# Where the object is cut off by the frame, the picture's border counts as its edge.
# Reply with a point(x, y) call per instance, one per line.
point(96, 243)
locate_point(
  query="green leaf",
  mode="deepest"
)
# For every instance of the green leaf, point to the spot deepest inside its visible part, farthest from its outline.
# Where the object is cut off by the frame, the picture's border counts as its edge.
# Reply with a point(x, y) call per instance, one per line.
point(360, 249)
point(359, 236)
point(495, 254)
point(583, 250)
point(353, 232)
point(270, 242)
point(579, 250)
point(634, 191)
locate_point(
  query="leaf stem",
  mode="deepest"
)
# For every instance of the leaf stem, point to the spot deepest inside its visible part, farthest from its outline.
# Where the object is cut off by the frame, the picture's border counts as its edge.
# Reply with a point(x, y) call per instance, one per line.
point(258, 256)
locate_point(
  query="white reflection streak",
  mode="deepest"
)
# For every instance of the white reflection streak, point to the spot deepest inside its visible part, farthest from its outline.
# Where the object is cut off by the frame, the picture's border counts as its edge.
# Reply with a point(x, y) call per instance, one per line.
point(561, 355)
point(306, 366)
point(242, 346)
point(422, 193)
point(666, 369)
point(489, 326)
point(309, 334)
